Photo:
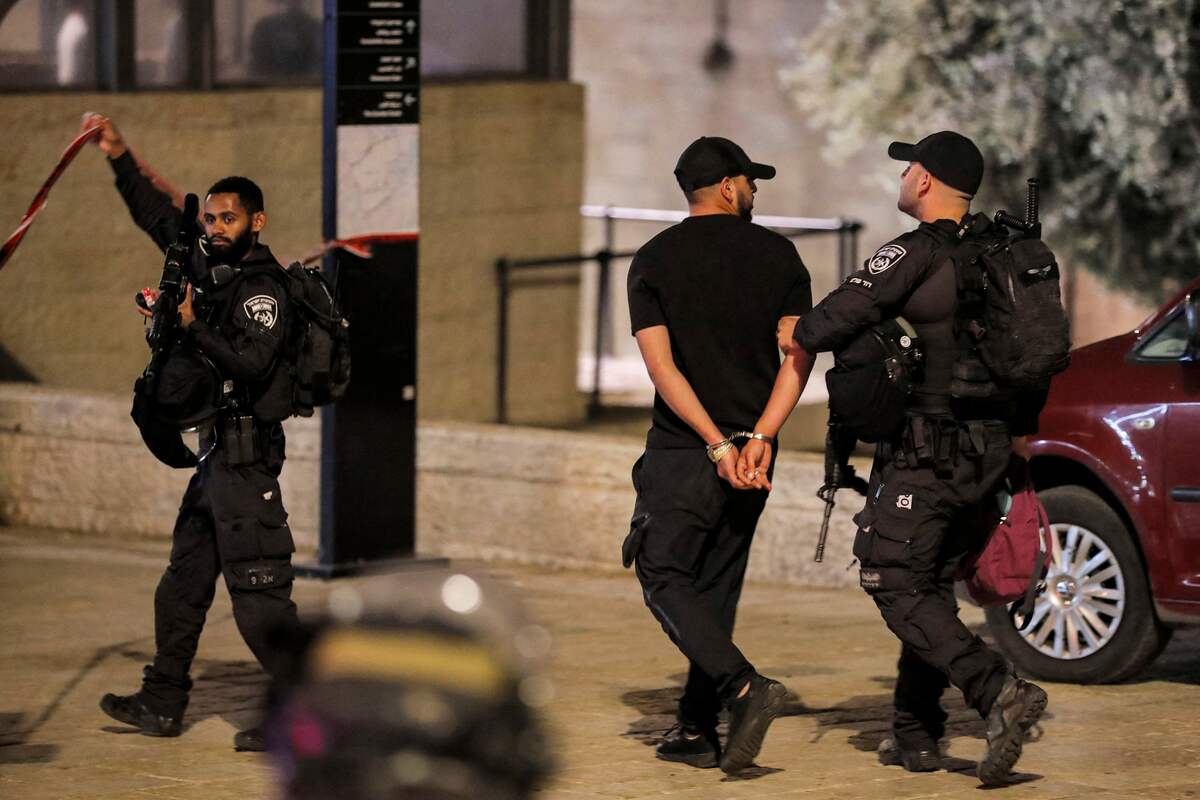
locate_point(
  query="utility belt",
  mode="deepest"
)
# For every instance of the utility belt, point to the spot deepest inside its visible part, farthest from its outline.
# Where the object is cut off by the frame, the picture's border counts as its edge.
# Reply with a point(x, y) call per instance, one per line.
point(940, 441)
point(1000, 407)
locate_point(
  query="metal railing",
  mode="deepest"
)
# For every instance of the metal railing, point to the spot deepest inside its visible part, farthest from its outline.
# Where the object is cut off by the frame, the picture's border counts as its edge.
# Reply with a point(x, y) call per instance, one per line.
point(846, 230)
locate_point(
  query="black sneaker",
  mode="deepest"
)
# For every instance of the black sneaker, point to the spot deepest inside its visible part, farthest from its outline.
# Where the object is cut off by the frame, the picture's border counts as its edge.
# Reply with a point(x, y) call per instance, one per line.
point(1018, 707)
point(893, 755)
point(132, 710)
point(749, 718)
point(250, 740)
point(686, 746)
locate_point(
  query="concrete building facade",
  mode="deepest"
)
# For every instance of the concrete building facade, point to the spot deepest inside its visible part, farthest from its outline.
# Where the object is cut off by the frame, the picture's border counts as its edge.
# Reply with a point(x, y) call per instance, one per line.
point(501, 175)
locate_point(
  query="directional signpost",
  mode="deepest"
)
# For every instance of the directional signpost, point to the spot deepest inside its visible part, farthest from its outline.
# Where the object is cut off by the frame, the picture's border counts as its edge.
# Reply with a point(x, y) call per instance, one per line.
point(368, 439)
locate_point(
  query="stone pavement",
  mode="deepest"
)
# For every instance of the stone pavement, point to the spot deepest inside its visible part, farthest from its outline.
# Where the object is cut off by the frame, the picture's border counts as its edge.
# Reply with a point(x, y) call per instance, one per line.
point(77, 623)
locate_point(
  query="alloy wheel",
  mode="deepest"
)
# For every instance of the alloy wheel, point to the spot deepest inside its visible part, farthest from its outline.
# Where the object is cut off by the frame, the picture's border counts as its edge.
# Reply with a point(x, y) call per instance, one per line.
point(1083, 602)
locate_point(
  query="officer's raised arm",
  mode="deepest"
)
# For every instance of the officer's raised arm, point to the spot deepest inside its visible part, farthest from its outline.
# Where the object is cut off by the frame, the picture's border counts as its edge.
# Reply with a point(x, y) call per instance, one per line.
point(153, 203)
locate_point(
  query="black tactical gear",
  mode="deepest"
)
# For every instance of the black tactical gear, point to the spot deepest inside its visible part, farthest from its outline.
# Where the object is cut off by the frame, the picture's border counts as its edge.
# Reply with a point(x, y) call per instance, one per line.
point(872, 378)
point(930, 482)
point(231, 521)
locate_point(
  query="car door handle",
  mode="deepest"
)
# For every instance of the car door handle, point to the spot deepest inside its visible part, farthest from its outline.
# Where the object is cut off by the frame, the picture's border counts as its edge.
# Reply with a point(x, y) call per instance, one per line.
point(1185, 494)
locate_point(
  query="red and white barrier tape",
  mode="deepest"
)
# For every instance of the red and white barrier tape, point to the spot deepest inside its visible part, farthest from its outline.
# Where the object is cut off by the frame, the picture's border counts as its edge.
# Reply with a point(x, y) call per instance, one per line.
point(39, 201)
point(356, 245)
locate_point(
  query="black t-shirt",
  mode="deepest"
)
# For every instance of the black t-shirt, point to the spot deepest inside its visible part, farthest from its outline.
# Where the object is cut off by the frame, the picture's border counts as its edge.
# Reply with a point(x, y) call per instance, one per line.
point(719, 284)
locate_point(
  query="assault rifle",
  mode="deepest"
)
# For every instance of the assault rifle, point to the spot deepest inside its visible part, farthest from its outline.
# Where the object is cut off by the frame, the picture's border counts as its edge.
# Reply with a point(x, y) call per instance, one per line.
point(172, 288)
point(162, 437)
point(839, 474)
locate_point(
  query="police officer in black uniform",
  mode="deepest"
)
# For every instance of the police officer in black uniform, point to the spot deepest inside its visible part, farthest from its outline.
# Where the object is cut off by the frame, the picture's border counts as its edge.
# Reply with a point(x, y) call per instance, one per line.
point(931, 480)
point(231, 521)
point(703, 298)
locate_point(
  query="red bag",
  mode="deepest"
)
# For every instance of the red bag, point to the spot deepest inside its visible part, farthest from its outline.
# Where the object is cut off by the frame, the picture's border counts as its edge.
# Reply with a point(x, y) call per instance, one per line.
point(1014, 560)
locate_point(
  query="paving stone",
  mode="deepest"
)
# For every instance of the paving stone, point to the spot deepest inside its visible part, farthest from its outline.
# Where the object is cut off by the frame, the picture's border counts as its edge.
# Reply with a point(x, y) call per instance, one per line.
point(76, 627)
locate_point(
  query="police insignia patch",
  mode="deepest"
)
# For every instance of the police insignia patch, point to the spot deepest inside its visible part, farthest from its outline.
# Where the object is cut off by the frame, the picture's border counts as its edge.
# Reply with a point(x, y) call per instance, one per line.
point(263, 309)
point(887, 256)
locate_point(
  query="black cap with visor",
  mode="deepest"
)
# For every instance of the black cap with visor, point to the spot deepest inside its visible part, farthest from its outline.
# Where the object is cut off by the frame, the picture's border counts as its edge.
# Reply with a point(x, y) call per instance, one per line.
point(948, 156)
point(709, 159)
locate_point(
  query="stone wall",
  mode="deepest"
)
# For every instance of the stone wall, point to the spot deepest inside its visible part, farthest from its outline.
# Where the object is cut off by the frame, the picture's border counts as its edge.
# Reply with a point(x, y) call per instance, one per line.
point(501, 175)
point(73, 460)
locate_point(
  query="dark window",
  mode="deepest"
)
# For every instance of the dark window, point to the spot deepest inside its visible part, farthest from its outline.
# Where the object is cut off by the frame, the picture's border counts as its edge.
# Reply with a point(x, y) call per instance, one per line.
point(274, 42)
point(1168, 343)
point(48, 43)
point(474, 37)
point(199, 44)
point(163, 46)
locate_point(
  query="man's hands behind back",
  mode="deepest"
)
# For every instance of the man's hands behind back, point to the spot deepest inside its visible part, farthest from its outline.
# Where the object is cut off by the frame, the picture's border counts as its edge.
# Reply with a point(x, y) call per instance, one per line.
point(753, 464)
point(727, 470)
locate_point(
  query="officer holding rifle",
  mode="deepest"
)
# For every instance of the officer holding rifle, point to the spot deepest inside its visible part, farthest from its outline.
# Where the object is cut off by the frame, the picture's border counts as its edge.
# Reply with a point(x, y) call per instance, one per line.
point(219, 365)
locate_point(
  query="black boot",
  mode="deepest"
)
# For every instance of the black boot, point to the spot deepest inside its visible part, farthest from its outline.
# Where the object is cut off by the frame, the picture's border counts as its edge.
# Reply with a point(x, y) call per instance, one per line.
point(250, 740)
point(928, 759)
point(694, 747)
point(1017, 709)
point(132, 710)
point(749, 718)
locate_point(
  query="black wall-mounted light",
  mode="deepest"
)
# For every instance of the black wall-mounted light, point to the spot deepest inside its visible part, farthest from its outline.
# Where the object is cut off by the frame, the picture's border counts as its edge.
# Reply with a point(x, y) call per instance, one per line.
point(719, 58)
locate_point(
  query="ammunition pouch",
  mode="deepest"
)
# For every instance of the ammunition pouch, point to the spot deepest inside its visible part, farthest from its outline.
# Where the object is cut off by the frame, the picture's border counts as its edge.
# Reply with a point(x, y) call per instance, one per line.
point(239, 440)
point(938, 442)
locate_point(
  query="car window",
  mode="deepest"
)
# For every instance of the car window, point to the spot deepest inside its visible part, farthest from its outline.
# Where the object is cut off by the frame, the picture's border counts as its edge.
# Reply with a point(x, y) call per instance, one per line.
point(1170, 341)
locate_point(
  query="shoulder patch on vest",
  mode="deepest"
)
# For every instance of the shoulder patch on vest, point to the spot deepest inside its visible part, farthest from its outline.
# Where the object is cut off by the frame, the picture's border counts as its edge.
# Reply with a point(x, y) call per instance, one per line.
point(263, 309)
point(886, 257)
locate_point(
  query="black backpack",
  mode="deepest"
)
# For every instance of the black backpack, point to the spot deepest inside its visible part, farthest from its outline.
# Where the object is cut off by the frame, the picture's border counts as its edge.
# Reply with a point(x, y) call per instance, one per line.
point(315, 367)
point(1013, 330)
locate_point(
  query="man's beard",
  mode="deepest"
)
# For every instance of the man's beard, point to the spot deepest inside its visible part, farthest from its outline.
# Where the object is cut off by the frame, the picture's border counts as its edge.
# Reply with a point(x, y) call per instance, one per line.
point(745, 208)
point(233, 252)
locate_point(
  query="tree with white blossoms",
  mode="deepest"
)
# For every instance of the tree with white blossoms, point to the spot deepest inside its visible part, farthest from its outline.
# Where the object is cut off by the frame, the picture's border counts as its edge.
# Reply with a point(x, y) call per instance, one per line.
point(1099, 99)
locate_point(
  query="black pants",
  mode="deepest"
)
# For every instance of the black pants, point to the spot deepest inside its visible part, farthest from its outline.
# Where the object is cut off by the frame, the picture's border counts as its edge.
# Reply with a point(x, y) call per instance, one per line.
point(918, 524)
point(690, 536)
point(231, 522)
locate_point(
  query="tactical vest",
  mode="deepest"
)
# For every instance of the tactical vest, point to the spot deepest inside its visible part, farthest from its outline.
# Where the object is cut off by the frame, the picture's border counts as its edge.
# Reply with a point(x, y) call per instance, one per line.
point(872, 379)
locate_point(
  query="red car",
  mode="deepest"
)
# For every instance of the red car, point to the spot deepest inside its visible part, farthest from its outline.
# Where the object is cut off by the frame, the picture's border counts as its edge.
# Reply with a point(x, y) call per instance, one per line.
point(1117, 464)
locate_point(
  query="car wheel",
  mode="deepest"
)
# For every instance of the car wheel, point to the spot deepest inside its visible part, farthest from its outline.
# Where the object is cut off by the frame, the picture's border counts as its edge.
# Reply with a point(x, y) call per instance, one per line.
point(1094, 620)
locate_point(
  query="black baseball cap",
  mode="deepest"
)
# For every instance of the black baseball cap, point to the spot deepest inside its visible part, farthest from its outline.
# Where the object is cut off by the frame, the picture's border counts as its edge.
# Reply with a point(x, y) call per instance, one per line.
point(710, 158)
point(950, 157)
